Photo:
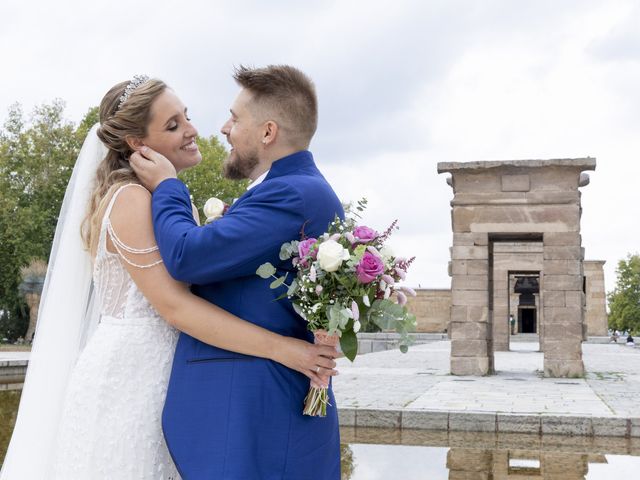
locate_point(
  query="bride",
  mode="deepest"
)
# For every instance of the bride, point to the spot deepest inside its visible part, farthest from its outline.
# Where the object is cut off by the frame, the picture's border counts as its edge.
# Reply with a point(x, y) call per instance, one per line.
point(93, 395)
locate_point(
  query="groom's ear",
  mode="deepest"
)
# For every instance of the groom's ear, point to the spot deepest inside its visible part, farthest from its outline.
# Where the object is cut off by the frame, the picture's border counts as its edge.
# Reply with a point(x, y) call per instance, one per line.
point(270, 132)
point(134, 143)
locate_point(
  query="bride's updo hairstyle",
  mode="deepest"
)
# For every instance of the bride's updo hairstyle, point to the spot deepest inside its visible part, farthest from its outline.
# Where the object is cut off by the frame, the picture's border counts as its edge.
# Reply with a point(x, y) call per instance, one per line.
point(119, 118)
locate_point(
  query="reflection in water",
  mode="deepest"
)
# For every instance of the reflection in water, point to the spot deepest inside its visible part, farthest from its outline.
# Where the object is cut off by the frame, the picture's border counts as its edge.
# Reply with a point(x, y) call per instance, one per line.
point(382, 454)
point(346, 462)
point(9, 401)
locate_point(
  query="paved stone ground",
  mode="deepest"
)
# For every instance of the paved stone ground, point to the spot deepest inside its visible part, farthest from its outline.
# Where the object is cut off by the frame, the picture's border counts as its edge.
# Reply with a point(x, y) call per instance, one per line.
point(415, 390)
point(7, 356)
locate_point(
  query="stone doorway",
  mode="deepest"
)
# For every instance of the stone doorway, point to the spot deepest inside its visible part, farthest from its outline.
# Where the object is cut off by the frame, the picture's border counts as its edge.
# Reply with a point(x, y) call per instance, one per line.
point(527, 290)
point(527, 319)
point(495, 200)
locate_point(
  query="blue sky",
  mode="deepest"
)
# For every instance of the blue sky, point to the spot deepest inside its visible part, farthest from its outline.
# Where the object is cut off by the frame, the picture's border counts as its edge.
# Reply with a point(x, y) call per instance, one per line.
point(402, 86)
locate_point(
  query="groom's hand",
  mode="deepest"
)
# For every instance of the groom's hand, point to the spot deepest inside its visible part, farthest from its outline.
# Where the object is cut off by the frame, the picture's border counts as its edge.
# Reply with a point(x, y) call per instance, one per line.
point(151, 167)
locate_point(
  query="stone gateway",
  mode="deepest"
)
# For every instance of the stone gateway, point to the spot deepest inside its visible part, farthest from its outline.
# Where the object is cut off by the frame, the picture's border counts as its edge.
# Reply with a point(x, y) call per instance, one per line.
point(517, 250)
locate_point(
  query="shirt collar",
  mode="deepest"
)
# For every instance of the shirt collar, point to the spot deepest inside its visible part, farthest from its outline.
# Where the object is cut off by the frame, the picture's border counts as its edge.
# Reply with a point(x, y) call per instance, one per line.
point(257, 181)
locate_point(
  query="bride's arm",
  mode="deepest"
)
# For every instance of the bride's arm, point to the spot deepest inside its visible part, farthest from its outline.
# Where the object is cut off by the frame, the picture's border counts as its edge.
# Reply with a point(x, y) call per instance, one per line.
point(132, 229)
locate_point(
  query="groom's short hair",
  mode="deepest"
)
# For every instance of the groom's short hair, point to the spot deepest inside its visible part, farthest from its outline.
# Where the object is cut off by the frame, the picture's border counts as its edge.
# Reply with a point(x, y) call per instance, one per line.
point(286, 95)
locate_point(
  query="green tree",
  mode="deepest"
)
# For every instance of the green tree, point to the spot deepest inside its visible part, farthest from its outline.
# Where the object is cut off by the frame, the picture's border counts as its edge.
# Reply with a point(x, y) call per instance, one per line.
point(36, 161)
point(624, 301)
point(206, 180)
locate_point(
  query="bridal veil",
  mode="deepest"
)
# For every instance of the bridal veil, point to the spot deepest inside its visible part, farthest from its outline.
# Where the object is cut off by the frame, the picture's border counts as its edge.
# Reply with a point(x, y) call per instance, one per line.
point(67, 317)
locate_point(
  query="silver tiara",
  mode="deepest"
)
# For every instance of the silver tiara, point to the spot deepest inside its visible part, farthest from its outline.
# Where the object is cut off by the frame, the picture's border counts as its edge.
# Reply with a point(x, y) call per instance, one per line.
point(133, 84)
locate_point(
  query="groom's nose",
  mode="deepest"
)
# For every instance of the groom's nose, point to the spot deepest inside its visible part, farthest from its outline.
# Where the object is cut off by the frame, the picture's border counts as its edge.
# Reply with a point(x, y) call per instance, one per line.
point(225, 128)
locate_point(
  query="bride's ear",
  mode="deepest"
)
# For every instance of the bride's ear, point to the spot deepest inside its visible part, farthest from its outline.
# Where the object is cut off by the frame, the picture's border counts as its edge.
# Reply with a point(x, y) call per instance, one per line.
point(134, 143)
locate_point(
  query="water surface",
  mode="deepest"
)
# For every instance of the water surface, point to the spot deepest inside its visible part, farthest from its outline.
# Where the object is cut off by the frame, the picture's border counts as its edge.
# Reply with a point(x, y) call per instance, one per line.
point(382, 454)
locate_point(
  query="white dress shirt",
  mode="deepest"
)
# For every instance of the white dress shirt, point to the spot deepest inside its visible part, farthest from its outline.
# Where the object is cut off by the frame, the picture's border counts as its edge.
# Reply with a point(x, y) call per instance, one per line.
point(258, 180)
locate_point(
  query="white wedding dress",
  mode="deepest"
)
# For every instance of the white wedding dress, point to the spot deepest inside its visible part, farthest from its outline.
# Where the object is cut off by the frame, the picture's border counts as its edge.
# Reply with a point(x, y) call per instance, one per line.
point(111, 422)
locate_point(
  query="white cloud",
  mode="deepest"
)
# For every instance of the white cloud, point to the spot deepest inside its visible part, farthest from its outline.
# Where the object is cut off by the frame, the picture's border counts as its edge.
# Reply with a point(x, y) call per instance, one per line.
point(403, 85)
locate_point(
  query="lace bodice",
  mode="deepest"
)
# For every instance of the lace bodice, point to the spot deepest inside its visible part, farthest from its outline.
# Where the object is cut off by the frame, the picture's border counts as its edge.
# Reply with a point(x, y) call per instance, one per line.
point(118, 295)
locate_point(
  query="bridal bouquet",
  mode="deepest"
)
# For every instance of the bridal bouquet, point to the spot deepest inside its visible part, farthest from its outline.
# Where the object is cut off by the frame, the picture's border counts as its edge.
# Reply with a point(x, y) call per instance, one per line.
point(345, 279)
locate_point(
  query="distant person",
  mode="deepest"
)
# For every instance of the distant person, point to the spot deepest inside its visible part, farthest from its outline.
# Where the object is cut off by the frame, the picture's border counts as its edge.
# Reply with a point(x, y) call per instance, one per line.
point(512, 323)
point(630, 341)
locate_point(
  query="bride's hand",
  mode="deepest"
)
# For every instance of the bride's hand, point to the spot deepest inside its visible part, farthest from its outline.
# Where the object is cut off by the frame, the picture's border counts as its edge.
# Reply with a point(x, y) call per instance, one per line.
point(314, 361)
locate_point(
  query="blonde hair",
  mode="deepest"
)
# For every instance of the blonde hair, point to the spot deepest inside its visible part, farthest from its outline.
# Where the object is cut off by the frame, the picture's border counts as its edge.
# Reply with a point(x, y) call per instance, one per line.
point(116, 124)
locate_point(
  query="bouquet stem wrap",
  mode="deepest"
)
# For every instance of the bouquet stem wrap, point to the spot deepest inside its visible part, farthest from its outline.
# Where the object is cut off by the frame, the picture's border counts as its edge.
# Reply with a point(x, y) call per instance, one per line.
point(316, 401)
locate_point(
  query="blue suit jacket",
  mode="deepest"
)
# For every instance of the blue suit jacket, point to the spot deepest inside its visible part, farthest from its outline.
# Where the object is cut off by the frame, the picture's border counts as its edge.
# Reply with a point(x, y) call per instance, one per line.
point(228, 415)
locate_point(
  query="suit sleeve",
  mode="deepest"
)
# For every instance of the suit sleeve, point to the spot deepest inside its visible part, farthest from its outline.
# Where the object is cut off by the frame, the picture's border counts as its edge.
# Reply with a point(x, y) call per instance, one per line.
point(232, 246)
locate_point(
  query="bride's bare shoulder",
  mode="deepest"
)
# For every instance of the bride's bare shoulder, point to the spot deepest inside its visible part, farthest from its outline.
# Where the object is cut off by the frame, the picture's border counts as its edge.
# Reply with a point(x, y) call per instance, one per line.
point(130, 215)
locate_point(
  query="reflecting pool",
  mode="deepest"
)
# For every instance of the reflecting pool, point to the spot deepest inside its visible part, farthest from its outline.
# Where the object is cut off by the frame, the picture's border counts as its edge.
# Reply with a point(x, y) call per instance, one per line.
point(382, 454)
point(377, 454)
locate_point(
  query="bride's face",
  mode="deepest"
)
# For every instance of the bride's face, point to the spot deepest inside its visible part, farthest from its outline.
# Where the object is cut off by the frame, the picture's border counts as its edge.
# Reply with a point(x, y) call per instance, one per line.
point(170, 131)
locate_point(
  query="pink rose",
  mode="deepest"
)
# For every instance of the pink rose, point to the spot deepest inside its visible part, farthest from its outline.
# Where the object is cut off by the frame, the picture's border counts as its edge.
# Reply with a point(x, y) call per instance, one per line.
point(369, 268)
point(364, 234)
point(305, 250)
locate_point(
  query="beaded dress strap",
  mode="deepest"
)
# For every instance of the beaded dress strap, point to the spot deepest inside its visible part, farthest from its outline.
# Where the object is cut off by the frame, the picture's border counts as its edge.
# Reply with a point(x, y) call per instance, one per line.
point(119, 244)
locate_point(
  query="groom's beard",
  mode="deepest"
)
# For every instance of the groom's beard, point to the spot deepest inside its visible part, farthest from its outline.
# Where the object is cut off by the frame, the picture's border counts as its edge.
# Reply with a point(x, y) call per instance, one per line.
point(238, 167)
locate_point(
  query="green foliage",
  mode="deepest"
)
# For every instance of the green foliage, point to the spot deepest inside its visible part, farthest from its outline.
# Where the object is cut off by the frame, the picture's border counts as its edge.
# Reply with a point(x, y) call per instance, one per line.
point(624, 301)
point(37, 156)
point(349, 343)
point(36, 161)
point(266, 270)
point(207, 180)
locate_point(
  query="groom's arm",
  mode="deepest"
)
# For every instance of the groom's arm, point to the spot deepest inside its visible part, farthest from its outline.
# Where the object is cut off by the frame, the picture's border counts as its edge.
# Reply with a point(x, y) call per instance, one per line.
point(232, 246)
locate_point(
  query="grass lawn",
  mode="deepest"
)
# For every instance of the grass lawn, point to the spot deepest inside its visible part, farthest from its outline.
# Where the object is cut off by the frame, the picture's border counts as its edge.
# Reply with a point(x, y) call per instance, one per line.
point(15, 348)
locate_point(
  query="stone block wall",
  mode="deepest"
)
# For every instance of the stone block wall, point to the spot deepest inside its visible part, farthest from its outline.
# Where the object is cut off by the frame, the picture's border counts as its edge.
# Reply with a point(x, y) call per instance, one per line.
point(498, 201)
point(432, 309)
point(596, 301)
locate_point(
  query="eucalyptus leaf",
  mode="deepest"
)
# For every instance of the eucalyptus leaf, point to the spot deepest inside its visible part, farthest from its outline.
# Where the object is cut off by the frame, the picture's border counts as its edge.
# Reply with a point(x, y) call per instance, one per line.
point(293, 288)
point(266, 270)
point(285, 251)
point(278, 282)
point(333, 315)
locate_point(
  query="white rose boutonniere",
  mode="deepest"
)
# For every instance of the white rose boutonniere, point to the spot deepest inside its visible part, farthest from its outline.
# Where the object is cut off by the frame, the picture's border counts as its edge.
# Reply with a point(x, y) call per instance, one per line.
point(214, 208)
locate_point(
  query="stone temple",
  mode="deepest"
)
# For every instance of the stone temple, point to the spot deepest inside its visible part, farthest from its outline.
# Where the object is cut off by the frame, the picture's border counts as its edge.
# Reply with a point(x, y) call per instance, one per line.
point(517, 251)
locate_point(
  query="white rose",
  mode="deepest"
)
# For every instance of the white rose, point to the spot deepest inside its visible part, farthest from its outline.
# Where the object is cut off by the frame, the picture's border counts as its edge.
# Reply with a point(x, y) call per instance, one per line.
point(331, 255)
point(387, 252)
point(213, 208)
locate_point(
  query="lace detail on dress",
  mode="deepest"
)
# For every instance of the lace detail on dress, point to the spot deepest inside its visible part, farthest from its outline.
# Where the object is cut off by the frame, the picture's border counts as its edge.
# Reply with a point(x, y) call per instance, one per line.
point(117, 293)
point(111, 425)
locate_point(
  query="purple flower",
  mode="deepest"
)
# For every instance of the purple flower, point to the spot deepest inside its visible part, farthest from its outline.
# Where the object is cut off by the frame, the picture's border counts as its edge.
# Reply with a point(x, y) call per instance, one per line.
point(369, 268)
point(401, 273)
point(355, 311)
point(409, 291)
point(402, 298)
point(305, 250)
point(388, 279)
point(364, 234)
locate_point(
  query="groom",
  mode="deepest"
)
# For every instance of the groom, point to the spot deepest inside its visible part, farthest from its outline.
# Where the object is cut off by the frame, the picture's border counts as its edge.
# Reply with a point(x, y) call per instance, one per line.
point(228, 415)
